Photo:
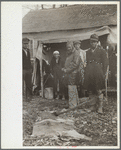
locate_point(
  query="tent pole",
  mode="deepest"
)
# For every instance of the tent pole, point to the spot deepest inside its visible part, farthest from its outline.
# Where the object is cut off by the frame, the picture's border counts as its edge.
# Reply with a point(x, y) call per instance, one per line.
point(107, 75)
point(33, 49)
point(42, 89)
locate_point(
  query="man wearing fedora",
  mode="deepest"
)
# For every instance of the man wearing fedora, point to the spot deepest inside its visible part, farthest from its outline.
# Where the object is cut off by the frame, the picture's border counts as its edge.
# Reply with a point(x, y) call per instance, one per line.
point(27, 69)
point(95, 72)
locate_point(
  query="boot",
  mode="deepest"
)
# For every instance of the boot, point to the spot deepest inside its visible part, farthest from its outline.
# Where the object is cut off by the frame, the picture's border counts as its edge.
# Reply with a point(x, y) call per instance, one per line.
point(63, 98)
point(66, 104)
point(57, 98)
point(92, 105)
point(100, 106)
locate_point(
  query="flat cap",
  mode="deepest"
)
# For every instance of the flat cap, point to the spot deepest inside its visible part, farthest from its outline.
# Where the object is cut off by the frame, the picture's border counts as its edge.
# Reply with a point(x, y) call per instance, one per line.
point(25, 40)
point(94, 37)
point(77, 42)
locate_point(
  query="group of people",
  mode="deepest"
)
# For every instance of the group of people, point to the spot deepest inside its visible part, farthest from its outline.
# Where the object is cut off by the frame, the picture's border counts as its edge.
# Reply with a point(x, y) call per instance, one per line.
point(89, 74)
point(67, 73)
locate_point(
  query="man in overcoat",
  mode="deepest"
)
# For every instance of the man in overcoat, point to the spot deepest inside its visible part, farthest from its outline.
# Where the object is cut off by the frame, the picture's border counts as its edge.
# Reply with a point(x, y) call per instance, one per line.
point(71, 67)
point(27, 69)
point(95, 72)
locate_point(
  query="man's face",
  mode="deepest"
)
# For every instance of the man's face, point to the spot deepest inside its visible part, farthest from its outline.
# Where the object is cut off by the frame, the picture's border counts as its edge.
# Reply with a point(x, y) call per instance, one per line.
point(77, 46)
point(69, 48)
point(25, 45)
point(93, 44)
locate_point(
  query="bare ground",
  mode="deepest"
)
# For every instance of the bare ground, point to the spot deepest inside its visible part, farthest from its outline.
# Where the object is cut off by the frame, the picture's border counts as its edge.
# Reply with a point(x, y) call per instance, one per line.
point(101, 128)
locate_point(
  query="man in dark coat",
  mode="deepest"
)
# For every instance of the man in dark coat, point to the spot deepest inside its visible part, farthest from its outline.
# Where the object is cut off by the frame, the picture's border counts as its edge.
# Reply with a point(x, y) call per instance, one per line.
point(71, 68)
point(95, 72)
point(27, 69)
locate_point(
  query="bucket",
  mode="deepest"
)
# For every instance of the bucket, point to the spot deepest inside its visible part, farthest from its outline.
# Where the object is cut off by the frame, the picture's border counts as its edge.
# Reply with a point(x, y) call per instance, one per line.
point(48, 93)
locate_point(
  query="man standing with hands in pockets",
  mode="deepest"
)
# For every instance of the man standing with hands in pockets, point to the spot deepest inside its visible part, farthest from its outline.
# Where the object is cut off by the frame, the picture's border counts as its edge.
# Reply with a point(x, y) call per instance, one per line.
point(71, 69)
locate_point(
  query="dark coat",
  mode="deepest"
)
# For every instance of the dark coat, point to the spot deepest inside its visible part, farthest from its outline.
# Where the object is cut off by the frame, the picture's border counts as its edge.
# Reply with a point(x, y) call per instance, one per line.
point(55, 68)
point(72, 67)
point(27, 72)
point(96, 69)
point(26, 60)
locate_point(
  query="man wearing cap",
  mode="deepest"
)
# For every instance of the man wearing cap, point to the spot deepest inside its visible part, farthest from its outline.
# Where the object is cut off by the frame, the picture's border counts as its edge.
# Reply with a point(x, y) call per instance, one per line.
point(55, 67)
point(77, 45)
point(95, 72)
point(82, 54)
point(27, 68)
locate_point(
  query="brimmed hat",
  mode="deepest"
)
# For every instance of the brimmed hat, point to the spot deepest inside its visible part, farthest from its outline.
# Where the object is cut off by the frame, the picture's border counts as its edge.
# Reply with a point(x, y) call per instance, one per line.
point(75, 42)
point(70, 43)
point(94, 37)
point(56, 53)
point(25, 40)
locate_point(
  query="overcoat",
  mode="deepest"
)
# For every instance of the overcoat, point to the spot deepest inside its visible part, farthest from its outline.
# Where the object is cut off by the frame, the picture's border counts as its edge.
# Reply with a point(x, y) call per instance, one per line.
point(95, 70)
point(72, 67)
point(27, 72)
point(26, 60)
point(56, 70)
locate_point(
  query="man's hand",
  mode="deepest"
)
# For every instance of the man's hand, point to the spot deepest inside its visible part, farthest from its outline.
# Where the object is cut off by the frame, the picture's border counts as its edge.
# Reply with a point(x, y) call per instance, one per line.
point(44, 73)
point(64, 70)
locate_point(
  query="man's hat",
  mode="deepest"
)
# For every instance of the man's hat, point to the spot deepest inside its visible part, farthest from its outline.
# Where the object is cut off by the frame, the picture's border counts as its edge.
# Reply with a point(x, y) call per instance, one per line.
point(70, 43)
point(25, 40)
point(75, 42)
point(56, 53)
point(94, 37)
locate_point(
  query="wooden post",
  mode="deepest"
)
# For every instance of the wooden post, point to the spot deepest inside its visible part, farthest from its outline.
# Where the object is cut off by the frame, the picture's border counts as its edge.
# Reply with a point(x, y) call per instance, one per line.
point(107, 74)
point(33, 48)
point(107, 80)
point(42, 89)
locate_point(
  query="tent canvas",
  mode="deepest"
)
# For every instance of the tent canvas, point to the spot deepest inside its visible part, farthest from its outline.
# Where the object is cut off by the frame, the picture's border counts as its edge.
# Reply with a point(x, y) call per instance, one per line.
point(72, 35)
point(109, 31)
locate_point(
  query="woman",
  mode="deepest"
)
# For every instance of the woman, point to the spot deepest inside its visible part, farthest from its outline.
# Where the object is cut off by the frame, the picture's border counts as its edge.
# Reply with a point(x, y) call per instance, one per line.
point(56, 66)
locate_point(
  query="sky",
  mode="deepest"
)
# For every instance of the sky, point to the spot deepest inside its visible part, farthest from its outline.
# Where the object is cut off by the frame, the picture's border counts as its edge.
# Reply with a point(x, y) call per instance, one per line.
point(26, 8)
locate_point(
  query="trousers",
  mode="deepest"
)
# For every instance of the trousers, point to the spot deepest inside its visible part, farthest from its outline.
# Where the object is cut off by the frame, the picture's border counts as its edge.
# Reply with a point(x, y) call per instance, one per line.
point(27, 79)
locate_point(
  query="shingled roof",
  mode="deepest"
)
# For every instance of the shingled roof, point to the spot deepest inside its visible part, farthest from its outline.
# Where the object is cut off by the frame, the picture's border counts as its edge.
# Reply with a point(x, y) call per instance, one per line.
point(68, 18)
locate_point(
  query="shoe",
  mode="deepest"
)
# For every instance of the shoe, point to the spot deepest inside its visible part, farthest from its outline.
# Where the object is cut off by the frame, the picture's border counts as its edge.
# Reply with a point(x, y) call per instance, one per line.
point(57, 98)
point(100, 110)
point(63, 98)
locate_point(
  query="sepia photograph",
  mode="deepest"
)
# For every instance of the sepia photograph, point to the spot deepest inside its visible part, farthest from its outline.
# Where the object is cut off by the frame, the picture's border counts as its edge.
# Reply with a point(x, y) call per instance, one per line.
point(69, 76)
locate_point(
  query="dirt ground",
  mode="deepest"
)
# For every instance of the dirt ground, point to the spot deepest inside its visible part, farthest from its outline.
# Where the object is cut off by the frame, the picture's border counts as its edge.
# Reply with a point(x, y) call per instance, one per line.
point(101, 128)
